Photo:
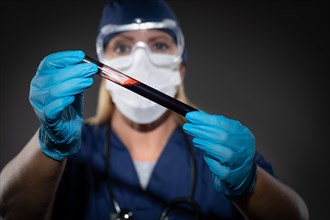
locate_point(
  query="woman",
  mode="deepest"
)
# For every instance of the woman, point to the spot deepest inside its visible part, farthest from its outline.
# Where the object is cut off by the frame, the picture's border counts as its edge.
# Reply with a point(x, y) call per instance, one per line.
point(136, 158)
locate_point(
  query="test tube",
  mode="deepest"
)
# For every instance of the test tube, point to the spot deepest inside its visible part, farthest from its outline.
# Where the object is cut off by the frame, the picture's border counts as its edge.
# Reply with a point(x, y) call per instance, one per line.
point(140, 88)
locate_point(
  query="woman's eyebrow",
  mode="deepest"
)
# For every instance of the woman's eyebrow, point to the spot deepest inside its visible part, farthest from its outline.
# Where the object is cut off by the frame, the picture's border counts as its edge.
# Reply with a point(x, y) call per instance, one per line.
point(160, 37)
point(125, 37)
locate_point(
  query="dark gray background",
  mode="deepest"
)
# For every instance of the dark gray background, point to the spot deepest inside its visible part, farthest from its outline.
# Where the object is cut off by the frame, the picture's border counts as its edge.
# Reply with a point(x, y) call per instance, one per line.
point(264, 63)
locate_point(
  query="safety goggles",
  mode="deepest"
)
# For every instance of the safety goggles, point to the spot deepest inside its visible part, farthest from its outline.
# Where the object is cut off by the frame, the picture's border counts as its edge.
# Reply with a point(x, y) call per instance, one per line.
point(167, 25)
point(142, 49)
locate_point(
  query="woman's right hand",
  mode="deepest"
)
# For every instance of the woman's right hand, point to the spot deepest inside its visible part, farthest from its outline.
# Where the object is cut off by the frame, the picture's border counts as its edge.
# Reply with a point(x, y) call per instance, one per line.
point(56, 95)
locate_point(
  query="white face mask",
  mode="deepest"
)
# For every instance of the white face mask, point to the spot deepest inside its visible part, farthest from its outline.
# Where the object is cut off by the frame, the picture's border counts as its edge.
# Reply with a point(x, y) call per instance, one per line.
point(138, 65)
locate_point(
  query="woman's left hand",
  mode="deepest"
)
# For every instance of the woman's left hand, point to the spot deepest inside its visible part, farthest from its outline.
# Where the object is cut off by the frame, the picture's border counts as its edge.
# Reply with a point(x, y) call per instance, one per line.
point(229, 151)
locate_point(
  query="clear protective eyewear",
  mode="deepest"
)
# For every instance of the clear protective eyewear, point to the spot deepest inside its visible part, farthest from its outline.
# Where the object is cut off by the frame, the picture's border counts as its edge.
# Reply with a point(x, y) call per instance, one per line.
point(166, 24)
point(158, 59)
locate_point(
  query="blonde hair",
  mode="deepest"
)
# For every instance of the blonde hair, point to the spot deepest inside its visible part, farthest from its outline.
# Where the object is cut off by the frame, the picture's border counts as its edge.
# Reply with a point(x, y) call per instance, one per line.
point(105, 105)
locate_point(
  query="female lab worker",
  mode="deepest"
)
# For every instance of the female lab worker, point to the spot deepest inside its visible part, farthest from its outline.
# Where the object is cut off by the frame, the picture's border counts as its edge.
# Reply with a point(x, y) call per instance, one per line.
point(135, 158)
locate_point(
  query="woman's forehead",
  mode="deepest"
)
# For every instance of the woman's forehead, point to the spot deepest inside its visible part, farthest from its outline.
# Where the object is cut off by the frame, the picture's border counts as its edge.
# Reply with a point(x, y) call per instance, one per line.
point(142, 35)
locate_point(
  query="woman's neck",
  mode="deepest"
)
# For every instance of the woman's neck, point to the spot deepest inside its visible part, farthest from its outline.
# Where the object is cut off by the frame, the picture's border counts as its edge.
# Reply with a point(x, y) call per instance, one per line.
point(144, 142)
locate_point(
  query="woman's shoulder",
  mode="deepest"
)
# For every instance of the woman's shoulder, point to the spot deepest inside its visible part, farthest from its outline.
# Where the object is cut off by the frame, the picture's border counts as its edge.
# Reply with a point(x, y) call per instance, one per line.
point(93, 129)
point(92, 132)
point(264, 163)
point(92, 140)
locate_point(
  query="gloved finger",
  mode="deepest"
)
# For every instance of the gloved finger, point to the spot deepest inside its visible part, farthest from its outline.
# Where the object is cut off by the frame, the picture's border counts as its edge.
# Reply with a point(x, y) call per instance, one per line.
point(45, 79)
point(216, 150)
point(227, 173)
point(69, 88)
point(205, 131)
point(217, 168)
point(40, 98)
point(213, 133)
point(202, 118)
point(35, 97)
point(225, 155)
point(54, 109)
point(61, 59)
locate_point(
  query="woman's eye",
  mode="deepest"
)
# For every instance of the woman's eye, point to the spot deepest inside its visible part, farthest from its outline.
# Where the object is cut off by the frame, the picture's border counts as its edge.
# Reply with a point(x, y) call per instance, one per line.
point(122, 49)
point(160, 47)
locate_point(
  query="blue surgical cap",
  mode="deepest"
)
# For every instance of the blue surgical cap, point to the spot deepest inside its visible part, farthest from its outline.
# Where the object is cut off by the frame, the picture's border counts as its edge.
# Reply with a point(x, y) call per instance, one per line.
point(122, 12)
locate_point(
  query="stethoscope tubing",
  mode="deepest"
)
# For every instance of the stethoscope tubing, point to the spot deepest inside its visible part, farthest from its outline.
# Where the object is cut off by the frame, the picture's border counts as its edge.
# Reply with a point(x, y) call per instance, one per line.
point(174, 203)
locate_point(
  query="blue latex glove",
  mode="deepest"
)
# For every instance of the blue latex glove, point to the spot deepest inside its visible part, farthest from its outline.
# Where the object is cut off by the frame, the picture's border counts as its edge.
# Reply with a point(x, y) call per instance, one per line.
point(229, 151)
point(56, 95)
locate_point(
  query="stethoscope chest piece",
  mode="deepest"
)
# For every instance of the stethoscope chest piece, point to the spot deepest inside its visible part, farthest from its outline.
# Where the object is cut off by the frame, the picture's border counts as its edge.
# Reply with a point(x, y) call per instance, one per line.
point(122, 215)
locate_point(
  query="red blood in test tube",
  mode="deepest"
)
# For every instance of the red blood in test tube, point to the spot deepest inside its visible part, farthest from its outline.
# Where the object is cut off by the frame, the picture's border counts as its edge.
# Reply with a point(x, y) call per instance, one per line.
point(130, 82)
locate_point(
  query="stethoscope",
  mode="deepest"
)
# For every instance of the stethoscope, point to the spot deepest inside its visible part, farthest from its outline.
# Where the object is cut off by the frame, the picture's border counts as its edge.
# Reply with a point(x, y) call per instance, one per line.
point(121, 214)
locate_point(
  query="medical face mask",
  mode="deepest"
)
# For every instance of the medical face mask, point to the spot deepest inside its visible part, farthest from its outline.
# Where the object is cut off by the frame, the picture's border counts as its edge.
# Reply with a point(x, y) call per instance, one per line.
point(151, 69)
